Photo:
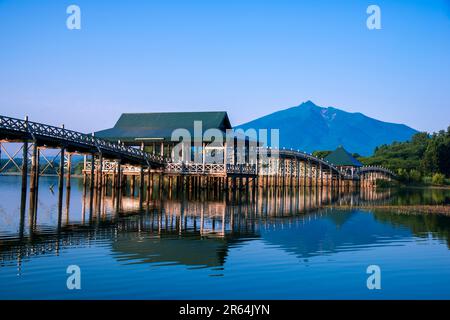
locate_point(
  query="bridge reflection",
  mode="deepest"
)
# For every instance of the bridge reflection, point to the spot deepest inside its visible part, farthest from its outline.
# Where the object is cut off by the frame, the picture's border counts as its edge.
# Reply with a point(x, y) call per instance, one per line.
point(199, 229)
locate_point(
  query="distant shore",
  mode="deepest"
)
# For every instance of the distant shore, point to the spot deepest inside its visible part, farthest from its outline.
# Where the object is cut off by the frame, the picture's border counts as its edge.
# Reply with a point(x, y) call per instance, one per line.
point(420, 209)
point(444, 187)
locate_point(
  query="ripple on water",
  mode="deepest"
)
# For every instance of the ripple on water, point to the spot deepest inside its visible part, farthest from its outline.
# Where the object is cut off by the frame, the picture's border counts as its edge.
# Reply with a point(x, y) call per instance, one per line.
point(163, 253)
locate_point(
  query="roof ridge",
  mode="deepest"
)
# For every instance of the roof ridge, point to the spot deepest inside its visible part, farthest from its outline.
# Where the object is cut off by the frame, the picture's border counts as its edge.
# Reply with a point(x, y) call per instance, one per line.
point(172, 112)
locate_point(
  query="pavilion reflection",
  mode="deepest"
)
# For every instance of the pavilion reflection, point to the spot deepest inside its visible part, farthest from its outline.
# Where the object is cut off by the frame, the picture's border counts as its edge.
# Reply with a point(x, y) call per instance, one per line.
point(200, 229)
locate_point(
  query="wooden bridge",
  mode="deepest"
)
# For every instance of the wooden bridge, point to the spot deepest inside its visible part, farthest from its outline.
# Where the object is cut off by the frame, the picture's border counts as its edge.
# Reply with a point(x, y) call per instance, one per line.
point(58, 137)
point(111, 164)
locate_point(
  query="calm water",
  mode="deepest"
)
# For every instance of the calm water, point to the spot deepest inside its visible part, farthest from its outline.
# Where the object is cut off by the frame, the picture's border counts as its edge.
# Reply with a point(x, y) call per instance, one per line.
point(271, 246)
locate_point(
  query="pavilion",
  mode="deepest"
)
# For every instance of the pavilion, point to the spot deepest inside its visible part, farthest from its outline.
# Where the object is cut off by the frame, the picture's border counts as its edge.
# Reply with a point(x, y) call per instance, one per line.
point(152, 132)
point(343, 160)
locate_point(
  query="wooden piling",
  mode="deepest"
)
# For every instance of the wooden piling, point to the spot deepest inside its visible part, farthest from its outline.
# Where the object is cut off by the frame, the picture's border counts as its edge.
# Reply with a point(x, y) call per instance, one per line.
point(24, 169)
point(61, 177)
point(132, 185)
point(33, 168)
point(69, 169)
point(92, 177)
point(321, 176)
point(37, 174)
point(100, 171)
point(119, 176)
point(310, 173)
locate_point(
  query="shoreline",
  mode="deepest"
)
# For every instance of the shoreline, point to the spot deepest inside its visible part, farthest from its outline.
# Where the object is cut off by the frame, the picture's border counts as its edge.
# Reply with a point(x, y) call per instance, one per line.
point(443, 187)
point(410, 209)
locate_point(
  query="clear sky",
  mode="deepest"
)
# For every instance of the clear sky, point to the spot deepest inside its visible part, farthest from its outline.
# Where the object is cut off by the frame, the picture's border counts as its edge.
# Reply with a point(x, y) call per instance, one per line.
point(248, 57)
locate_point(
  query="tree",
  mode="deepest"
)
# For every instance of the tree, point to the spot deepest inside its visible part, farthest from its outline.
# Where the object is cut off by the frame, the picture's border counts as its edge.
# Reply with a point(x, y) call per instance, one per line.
point(438, 178)
point(436, 158)
point(429, 163)
point(423, 156)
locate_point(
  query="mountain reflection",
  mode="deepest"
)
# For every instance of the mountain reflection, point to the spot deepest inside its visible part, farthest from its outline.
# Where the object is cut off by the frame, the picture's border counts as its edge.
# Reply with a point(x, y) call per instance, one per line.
point(199, 230)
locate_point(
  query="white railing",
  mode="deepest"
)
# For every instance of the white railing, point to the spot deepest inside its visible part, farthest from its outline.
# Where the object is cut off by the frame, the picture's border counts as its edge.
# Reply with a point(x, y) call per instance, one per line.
point(246, 169)
point(111, 166)
point(195, 168)
point(180, 168)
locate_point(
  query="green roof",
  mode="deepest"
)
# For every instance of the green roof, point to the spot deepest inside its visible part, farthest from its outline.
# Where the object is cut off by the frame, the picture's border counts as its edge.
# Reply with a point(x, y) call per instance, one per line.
point(340, 157)
point(135, 126)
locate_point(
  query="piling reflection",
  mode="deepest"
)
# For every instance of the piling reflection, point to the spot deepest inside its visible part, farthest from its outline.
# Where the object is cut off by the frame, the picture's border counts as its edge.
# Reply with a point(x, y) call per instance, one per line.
point(198, 228)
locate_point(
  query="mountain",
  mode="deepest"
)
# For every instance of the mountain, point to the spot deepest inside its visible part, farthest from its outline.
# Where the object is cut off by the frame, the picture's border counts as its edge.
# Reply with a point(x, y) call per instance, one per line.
point(309, 127)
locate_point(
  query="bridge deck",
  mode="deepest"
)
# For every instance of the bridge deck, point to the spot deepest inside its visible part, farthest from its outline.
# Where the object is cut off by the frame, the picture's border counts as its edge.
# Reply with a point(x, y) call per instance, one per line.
point(18, 130)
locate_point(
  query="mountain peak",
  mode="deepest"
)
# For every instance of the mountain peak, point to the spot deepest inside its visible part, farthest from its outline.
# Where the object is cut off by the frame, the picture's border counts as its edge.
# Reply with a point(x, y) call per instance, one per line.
point(309, 104)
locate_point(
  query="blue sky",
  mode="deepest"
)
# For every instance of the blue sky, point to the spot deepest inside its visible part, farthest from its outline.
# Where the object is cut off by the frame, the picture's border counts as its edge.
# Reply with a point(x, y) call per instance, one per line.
point(247, 57)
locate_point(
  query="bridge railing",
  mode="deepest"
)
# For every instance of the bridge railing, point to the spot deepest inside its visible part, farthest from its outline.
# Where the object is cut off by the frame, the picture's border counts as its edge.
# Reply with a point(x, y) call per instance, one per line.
point(66, 135)
point(376, 169)
point(195, 168)
point(298, 154)
point(246, 169)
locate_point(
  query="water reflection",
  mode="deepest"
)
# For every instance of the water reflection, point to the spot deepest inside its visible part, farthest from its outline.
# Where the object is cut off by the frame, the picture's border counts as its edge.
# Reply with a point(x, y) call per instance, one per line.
point(198, 229)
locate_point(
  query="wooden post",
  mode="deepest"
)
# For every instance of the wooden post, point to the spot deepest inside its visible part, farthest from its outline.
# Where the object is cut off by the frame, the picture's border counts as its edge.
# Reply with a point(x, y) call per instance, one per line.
point(247, 187)
point(309, 173)
point(304, 174)
point(33, 168)
point(61, 176)
point(36, 185)
point(315, 178)
point(132, 185)
point(141, 184)
point(100, 171)
point(330, 179)
point(119, 176)
point(114, 177)
point(69, 168)
point(277, 173)
point(92, 172)
point(321, 175)
point(149, 181)
point(225, 182)
point(291, 167)
point(25, 167)
point(152, 182)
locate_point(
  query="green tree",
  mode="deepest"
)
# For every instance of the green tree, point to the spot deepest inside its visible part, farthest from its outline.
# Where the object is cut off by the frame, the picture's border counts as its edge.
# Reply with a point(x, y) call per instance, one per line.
point(438, 178)
point(415, 176)
point(415, 160)
point(436, 158)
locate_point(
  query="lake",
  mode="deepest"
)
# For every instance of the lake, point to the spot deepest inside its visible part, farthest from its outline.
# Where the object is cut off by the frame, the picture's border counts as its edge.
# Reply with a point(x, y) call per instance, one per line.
point(284, 244)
